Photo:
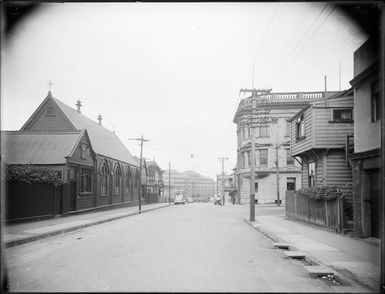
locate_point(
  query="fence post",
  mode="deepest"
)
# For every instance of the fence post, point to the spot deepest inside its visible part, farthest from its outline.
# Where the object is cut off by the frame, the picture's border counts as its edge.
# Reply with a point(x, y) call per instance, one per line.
point(326, 214)
point(307, 209)
point(295, 204)
point(339, 227)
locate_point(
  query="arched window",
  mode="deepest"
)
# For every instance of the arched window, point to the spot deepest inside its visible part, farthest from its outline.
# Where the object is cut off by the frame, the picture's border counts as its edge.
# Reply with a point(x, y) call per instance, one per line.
point(104, 179)
point(136, 180)
point(128, 180)
point(118, 180)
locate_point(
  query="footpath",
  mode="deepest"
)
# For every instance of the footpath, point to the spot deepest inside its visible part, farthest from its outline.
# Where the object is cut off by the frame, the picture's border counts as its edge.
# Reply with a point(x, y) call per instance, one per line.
point(355, 260)
point(19, 233)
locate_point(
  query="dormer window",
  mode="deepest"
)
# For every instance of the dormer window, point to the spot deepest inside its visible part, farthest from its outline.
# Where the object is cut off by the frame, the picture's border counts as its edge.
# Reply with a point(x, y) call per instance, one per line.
point(50, 111)
point(83, 150)
point(343, 115)
point(300, 127)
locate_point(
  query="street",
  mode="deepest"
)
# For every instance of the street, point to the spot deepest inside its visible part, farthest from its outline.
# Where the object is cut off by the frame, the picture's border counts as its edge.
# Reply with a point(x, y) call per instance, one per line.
point(192, 247)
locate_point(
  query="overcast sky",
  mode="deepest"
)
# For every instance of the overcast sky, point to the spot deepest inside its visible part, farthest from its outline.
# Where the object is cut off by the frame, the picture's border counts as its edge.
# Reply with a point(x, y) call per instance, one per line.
point(172, 72)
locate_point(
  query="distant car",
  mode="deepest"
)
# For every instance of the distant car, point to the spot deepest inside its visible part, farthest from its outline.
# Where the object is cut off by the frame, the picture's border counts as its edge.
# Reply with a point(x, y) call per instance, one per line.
point(217, 201)
point(190, 200)
point(179, 199)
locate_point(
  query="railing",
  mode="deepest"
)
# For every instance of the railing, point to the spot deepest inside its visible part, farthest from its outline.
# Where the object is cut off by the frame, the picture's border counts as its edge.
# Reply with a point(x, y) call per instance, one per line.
point(324, 213)
point(294, 96)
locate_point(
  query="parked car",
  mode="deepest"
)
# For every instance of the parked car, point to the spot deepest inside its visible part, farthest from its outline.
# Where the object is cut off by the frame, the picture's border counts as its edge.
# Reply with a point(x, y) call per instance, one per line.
point(190, 200)
point(179, 199)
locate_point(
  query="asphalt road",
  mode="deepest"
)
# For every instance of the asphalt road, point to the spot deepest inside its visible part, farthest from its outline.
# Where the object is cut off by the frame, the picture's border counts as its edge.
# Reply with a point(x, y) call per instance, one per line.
point(193, 247)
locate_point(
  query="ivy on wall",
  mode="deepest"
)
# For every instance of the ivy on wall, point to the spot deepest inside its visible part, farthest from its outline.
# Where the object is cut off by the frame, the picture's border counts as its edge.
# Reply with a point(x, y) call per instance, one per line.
point(324, 193)
point(30, 174)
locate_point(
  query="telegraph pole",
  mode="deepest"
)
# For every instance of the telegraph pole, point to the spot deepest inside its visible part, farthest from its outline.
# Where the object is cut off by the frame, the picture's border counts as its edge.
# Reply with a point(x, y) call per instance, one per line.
point(223, 178)
point(277, 165)
point(169, 182)
point(256, 114)
point(140, 168)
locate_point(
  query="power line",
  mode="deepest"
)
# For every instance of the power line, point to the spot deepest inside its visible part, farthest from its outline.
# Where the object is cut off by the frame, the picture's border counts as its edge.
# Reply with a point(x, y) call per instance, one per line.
point(307, 43)
point(299, 43)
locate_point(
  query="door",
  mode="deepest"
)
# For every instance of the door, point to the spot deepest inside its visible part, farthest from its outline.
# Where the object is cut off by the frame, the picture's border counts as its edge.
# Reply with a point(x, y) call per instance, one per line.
point(375, 192)
point(73, 195)
point(73, 188)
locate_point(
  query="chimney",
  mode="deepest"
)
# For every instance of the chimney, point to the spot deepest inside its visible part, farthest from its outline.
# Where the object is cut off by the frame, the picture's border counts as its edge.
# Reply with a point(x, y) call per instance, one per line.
point(100, 119)
point(78, 105)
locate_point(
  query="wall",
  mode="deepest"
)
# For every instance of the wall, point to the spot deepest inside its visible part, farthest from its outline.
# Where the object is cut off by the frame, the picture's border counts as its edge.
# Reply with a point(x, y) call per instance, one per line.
point(301, 145)
point(366, 133)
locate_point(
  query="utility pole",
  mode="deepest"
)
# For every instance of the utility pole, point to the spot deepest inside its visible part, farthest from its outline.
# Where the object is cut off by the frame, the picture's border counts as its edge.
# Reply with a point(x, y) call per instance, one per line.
point(169, 182)
point(223, 178)
point(256, 114)
point(277, 165)
point(140, 168)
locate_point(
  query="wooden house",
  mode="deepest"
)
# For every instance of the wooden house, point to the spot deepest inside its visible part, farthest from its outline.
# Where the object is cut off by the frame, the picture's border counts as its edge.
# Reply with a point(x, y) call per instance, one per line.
point(112, 172)
point(319, 133)
point(154, 182)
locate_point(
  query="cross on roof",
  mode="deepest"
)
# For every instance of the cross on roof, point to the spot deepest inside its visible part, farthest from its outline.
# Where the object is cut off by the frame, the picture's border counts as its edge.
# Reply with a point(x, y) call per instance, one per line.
point(50, 84)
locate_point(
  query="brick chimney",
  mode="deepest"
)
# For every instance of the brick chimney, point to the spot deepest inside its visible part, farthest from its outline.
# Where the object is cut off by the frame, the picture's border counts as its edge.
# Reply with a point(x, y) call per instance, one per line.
point(100, 119)
point(78, 105)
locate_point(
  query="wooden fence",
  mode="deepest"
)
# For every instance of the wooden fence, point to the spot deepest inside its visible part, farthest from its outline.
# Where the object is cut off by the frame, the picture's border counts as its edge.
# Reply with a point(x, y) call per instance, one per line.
point(324, 213)
point(25, 201)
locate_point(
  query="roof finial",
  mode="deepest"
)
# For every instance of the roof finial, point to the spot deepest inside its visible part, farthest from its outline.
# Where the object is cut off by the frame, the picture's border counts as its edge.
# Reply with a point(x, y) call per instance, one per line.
point(79, 104)
point(100, 119)
point(49, 85)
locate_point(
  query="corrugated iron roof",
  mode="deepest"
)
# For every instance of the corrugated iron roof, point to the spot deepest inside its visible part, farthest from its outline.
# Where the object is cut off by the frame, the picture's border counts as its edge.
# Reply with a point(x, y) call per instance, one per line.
point(37, 148)
point(104, 142)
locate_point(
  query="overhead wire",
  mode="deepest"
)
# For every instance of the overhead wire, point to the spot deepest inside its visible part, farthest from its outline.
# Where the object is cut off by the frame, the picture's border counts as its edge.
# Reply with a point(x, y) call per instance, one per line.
point(304, 39)
point(307, 43)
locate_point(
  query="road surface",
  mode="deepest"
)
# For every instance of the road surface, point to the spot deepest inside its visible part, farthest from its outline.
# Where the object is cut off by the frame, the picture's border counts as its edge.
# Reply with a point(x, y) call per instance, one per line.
point(189, 248)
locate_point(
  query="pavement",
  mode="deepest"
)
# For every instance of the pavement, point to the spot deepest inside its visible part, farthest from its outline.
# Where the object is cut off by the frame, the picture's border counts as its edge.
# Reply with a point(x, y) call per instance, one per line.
point(20, 233)
point(353, 261)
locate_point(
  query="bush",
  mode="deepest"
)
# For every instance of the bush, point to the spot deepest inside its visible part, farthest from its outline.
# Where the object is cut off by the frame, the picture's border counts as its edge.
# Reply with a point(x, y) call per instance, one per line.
point(31, 174)
point(323, 193)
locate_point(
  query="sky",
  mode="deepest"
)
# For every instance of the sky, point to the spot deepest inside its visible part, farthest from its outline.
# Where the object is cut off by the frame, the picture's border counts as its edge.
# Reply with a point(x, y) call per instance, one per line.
point(172, 72)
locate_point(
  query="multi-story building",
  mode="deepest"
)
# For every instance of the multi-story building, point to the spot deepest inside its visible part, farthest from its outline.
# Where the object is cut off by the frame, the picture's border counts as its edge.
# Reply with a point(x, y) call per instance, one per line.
point(190, 183)
point(154, 182)
point(365, 160)
point(270, 137)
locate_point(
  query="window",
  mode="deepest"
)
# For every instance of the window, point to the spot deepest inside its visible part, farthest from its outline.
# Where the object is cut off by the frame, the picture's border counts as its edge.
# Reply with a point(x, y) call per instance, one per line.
point(311, 174)
point(246, 159)
point(50, 111)
point(104, 179)
point(300, 127)
point(152, 175)
point(263, 157)
point(118, 180)
point(375, 101)
point(73, 174)
point(287, 129)
point(136, 180)
point(290, 184)
point(85, 180)
point(128, 180)
point(83, 150)
point(256, 187)
point(263, 131)
point(343, 115)
point(289, 158)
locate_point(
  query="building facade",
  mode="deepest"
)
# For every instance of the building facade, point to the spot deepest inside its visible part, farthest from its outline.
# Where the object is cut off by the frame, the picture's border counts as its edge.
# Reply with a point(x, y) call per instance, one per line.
point(101, 171)
point(190, 183)
point(320, 136)
point(272, 142)
point(365, 160)
point(154, 182)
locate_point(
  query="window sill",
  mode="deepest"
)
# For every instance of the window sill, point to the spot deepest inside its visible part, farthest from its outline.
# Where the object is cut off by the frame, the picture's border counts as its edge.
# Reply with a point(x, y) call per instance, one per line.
point(84, 193)
point(341, 121)
point(299, 139)
point(104, 195)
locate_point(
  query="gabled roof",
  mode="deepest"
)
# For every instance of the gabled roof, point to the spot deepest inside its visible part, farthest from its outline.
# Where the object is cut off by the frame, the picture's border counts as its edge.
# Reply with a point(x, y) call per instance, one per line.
point(104, 142)
point(152, 163)
point(38, 148)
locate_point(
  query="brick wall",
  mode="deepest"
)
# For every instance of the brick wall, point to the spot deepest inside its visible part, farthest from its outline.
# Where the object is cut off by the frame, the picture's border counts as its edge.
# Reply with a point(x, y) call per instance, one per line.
point(356, 179)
